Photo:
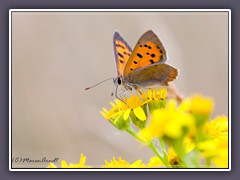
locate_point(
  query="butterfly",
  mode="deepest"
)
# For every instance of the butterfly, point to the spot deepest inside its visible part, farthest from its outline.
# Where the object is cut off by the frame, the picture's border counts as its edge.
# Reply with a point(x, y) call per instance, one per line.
point(145, 65)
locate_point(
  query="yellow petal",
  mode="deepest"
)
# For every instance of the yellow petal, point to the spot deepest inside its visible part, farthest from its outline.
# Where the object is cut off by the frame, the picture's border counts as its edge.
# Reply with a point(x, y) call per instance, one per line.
point(112, 104)
point(155, 162)
point(64, 164)
point(201, 105)
point(138, 163)
point(103, 114)
point(139, 113)
point(126, 114)
point(82, 160)
point(105, 110)
point(51, 165)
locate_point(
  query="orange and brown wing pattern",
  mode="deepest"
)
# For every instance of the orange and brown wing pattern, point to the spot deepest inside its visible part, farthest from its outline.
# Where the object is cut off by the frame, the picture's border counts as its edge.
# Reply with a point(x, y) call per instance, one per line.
point(148, 50)
point(122, 52)
point(154, 74)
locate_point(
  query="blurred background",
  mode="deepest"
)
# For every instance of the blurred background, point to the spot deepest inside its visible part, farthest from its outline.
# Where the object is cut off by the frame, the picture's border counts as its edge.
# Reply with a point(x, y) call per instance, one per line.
point(55, 55)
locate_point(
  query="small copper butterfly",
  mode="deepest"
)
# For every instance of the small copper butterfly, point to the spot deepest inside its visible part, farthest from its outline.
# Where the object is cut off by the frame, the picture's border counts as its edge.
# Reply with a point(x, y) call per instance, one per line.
point(142, 67)
point(145, 65)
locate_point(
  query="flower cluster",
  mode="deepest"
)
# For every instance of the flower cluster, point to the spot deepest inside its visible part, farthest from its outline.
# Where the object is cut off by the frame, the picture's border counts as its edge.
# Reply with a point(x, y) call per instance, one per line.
point(64, 164)
point(113, 163)
point(181, 134)
point(135, 108)
point(185, 131)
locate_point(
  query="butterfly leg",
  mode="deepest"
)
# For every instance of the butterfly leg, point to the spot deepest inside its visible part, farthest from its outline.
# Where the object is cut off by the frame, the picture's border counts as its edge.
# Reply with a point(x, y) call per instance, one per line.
point(116, 95)
point(122, 94)
point(136, 89)
point(119, 93)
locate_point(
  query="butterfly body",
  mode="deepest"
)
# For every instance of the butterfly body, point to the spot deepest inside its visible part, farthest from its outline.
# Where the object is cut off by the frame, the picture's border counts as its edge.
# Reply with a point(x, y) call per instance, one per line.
point(145, 65)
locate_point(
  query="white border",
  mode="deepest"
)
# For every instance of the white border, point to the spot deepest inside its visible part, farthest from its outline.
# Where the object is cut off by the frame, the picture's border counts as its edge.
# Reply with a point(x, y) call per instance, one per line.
point(10, 91)
point(229, 89)
point(121, 10)
point(117, 10)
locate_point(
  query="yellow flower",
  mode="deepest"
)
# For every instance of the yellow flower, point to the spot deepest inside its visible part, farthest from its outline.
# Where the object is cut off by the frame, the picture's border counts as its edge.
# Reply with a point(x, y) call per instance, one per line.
point(170, 122)
point(155, 162)
point(134, 107)
point(155, 94)
point(201, 105)
point(216, 151)
point(216, 148)
point(185, 105)
point(64, 164)
point(218, 127)
point(221, 158)
point(189, 144)
point(157, 98)
point(120, 163)
point(173, 158)
point(119, 107)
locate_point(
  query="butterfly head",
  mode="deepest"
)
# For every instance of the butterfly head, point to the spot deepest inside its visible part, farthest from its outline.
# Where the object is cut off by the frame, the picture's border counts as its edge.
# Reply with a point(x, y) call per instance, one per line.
point(117, 80)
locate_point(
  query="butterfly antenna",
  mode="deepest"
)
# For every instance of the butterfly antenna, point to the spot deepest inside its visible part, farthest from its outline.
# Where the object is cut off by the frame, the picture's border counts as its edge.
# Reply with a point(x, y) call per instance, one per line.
point(98, 83)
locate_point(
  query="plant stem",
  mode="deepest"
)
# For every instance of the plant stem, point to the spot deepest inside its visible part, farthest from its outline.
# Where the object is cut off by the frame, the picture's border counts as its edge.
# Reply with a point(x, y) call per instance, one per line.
point(163, 159)
point(183, 156)
point(131, 131)
point(161, 142)
point(150, 144)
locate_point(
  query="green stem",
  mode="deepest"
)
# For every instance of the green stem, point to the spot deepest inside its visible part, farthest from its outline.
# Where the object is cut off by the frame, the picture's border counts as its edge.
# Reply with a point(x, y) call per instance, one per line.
point(150, 144)
point(162, 145)
point(163, 159)
point(131, 131)
point(186, 160)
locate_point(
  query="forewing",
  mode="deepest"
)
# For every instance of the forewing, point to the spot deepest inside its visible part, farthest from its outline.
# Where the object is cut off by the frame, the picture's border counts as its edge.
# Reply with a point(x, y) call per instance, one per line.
point(154, 74)
point(122, 52)
point(148, 50)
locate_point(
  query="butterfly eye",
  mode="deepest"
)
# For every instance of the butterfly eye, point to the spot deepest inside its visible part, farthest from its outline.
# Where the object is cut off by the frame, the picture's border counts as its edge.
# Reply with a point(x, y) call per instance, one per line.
point(119, 81)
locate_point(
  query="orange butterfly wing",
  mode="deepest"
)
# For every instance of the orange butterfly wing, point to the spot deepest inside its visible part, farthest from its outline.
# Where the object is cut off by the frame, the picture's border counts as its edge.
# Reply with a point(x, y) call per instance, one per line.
point(122, 52)
point(148, 50)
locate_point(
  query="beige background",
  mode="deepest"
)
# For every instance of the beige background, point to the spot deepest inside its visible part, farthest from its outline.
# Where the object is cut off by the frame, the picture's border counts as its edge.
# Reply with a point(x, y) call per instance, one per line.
point(56, 55)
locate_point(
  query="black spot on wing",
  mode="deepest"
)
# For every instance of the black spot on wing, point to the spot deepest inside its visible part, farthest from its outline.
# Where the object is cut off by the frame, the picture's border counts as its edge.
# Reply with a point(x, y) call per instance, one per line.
point(151, 61)
point(119, 45)
point(139, 55)
point(153, 55)
point(120, 55)
point(128, 54)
